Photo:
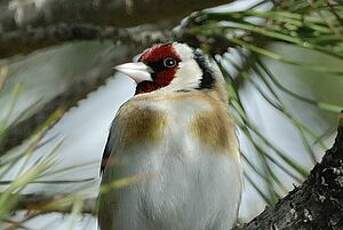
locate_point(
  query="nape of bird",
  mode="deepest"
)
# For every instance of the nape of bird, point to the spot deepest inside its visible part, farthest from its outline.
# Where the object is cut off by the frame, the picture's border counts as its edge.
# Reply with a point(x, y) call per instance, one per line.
point(174, 144)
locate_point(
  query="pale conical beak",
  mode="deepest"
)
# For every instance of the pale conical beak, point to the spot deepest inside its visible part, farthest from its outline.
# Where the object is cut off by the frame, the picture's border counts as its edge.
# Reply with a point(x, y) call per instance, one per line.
point(137, 71)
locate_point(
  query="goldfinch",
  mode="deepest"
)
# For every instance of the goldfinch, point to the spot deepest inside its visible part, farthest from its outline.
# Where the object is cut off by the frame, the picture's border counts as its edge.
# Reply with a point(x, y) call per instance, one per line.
point(175, 136)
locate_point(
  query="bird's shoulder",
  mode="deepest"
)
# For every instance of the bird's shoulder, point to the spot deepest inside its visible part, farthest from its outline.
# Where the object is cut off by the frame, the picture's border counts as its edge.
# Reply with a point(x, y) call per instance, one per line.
point(146, 120)
point(155, 110)
point(203, 117)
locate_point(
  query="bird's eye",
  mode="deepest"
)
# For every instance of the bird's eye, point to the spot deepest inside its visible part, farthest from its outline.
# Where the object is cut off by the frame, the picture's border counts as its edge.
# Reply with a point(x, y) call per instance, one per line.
point(169, 62)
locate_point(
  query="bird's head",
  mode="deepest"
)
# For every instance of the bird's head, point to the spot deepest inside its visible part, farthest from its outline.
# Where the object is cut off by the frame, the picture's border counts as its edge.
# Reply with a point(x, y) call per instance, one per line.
point(172, 67)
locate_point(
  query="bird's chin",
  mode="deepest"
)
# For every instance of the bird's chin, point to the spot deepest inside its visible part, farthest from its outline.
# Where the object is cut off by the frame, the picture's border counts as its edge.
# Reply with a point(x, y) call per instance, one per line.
point(145, 87)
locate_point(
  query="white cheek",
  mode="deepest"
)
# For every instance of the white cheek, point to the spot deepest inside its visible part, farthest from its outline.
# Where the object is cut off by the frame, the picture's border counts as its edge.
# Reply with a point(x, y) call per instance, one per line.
point(184, 51)
point(188, 75)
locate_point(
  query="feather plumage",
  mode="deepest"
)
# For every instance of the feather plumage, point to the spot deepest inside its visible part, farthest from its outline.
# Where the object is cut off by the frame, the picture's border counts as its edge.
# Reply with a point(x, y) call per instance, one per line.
point(181, 144)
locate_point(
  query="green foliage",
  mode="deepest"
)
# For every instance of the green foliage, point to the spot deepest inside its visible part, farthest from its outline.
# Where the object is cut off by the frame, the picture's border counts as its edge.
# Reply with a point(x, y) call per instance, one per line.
point(24, 168)
point(310, 25)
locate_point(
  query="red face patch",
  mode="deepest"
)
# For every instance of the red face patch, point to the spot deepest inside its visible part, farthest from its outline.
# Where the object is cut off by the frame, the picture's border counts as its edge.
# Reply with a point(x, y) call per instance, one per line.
point(163, 60)
point(158, 52)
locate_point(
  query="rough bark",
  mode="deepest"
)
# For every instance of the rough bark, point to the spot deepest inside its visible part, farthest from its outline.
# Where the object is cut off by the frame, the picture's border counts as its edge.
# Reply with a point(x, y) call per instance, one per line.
point(315, 205)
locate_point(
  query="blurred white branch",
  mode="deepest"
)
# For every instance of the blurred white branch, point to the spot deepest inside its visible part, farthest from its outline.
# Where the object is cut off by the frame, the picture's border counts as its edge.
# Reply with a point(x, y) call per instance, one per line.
point(29, 25)
point(29, 40)
point(88, 82)
point(19, 14)
point(135, 39)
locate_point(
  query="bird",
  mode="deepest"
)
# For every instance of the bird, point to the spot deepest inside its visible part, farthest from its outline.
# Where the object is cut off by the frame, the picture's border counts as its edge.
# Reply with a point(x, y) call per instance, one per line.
point(173, 147)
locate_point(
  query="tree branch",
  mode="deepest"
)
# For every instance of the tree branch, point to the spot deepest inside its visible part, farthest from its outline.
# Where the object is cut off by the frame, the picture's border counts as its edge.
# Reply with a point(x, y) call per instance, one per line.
point(136, 38)
point(26, 26)
point(61, 203)
point(316, 204)
point(118, 13)
point(26, 41)
point(90, 81)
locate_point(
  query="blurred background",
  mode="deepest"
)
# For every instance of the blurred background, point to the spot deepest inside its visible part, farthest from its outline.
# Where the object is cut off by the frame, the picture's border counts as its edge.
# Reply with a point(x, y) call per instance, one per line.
point(283, 62)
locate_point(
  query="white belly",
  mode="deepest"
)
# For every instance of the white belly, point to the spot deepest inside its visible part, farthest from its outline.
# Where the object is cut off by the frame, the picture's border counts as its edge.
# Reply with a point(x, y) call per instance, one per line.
point(184, 185)
point(193, 190)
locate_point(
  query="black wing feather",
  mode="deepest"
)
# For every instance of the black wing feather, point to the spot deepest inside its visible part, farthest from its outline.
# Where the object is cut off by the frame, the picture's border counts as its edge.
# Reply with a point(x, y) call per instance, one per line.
point(110, 143)
point(107, 152)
